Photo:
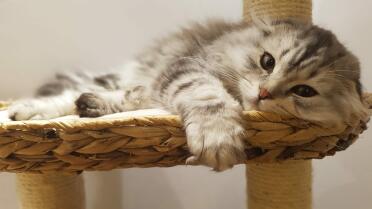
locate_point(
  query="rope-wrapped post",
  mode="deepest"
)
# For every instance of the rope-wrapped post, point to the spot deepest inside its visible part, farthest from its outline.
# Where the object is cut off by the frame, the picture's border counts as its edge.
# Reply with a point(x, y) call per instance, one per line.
point(279, 185)
point(51, 191)
point(286, 185)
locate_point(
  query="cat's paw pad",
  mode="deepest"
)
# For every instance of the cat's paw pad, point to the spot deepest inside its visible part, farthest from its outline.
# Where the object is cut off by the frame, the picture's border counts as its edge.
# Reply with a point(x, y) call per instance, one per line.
point(25, 110)
point(220, 147)
point(90, 105)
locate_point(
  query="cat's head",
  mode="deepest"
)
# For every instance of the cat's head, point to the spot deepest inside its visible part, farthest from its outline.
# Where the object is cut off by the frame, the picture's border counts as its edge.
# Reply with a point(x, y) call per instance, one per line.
point(300, 70)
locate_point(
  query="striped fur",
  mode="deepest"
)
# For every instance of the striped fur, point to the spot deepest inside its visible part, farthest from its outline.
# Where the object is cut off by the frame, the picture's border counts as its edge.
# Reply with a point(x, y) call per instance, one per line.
point(208, 73)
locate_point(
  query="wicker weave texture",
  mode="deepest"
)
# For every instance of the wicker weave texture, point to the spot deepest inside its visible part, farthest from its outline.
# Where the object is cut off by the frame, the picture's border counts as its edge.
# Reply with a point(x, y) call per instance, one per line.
point(105, 144)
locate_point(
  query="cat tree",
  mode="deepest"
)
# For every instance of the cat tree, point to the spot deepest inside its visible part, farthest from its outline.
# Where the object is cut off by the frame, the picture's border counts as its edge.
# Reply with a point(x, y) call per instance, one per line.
point(49, 155)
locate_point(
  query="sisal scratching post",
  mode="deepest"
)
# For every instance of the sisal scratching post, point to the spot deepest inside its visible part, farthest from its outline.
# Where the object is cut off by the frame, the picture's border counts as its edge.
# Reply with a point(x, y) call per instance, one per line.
point(283, 185)
point(51, 191)
point(278, 9)
point(279, 185)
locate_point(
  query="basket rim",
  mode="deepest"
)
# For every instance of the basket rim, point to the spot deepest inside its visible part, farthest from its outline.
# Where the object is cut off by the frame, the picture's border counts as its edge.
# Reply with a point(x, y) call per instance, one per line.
point(84, 144)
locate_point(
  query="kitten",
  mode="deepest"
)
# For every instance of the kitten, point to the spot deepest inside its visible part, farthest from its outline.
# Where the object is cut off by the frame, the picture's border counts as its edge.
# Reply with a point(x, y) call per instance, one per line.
point(208, 74)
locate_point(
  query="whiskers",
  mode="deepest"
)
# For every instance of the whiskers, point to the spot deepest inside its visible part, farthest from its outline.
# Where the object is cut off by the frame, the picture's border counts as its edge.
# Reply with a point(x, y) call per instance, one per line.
point(343, 74)
point(287, 112)
point(227, 71)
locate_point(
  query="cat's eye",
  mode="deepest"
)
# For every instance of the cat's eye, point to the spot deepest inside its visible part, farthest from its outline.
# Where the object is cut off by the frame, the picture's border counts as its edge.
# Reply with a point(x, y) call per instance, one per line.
point(267, 62)
point(304, 91)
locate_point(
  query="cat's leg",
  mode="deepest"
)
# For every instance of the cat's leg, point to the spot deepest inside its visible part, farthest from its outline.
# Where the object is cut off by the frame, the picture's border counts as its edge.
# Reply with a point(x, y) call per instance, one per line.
point(212, 117)
point(127, 89)
point(96, 104)
point(93, 104)
point(44, 107)
point(55, 98)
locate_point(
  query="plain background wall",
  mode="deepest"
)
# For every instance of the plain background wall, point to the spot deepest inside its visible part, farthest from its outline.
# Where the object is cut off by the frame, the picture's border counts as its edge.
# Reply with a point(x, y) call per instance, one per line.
point(40, 37)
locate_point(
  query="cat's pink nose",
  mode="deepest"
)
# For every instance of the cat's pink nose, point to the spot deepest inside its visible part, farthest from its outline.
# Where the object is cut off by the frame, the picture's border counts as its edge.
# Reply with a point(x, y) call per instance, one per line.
point(264, 94)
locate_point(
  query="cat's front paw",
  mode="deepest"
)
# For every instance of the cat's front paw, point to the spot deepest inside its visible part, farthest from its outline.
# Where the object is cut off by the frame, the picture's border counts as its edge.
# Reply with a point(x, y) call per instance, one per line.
point(91, 105)
point(216, 143)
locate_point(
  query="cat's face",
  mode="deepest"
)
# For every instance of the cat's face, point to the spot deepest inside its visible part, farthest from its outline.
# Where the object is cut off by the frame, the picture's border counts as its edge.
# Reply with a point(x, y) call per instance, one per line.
point(303, 71)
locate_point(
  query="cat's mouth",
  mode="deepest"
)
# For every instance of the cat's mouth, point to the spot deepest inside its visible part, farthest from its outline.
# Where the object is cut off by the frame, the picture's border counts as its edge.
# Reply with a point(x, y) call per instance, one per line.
point(264, 105)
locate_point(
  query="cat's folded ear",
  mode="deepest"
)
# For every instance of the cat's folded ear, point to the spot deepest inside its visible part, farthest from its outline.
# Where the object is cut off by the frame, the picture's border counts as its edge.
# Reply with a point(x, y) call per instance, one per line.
point(268, 23)
point(262, 22)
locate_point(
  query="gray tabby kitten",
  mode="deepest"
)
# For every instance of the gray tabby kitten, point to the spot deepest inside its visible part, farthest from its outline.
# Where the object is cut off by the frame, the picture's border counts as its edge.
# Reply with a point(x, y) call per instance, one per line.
point(209, 74)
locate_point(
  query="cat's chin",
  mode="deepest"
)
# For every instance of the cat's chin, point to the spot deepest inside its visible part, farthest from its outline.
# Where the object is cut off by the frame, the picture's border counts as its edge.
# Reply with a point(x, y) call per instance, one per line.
point(251, 106)
point(255, 104)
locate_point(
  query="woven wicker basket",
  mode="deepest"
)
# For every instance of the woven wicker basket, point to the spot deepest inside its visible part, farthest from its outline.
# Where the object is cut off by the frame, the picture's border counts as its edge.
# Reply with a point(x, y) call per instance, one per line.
point(104, 144)
point(155, 141)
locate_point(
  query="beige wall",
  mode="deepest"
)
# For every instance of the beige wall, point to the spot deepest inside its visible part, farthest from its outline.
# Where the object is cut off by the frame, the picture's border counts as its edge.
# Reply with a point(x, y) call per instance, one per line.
point(40, 37)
